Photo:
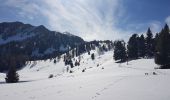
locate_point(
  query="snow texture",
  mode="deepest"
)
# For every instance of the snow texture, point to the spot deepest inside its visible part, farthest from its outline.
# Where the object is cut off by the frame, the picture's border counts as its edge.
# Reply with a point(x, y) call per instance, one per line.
point(103, 79)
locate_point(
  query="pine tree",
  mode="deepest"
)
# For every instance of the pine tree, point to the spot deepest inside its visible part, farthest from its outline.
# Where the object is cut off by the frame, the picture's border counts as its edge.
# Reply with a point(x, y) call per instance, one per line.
point(149, 43)
point(133, 47)
point(73, 53)
point(104, 48)
point(162, 56)
point(12, 76)
point(141, 46)
point(119, 51)
point(55, 61)
point(156, 40)
point(92, 56)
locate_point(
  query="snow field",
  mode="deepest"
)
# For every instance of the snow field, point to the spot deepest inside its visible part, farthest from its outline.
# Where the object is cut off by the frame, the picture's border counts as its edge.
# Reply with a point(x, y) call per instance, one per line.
point(108, 81)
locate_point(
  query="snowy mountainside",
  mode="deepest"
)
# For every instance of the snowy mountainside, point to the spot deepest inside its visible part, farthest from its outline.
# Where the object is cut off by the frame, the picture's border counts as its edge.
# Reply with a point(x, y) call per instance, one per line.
point(49, 67)
point(108, 81)
point(100, 62)
point(32, 43)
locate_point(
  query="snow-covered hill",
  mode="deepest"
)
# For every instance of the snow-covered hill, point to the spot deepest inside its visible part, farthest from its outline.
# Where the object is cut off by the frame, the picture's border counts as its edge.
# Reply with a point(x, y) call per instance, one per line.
point(103, 79)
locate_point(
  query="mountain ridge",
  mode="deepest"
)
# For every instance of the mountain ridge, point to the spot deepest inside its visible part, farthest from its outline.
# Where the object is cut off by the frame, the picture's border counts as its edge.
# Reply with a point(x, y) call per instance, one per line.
point(34, 42)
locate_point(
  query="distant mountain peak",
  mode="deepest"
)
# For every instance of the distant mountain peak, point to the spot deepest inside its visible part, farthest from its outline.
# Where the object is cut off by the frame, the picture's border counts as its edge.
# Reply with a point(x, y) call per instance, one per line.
point(41, 26)
point(19, 38)
point(68, 33)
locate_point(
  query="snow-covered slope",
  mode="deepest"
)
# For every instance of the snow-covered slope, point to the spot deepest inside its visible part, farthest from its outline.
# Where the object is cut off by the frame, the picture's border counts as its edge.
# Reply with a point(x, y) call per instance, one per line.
point(108, 81)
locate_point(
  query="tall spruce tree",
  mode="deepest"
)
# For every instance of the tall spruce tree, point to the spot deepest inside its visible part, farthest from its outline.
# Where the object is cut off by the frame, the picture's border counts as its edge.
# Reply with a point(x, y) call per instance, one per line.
point(133, 47)
point(162, 56)
point(141, 46)
point(12, 76)
point(92, 56)
point(156, 41)
point(149, 43)
point(119, 50)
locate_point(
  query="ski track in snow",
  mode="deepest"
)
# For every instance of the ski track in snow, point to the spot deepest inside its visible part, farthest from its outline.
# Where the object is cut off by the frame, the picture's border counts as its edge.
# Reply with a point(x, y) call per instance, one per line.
point(106, 87)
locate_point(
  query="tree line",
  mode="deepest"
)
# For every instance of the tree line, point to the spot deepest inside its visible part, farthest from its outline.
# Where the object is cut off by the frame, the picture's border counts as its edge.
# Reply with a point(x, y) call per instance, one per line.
point(149, 46)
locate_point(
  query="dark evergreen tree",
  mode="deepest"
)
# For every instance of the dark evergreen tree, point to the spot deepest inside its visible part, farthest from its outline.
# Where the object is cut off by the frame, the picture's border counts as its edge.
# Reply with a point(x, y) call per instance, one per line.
point(12, 76)
point(55, 61)
point(77, 63)
point(156, 38)
point(104, 48)
point(77, 51)
point(88, 52)
point(141, 46)
point(162, 56)
point(92, 56)
point(73, 53)
point(133, 47)
point(149, 44)
point(71, 63)
point(119, 50)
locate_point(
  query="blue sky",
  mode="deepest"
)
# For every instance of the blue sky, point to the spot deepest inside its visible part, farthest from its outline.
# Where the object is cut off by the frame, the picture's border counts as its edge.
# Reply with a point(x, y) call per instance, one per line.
point(90, 19)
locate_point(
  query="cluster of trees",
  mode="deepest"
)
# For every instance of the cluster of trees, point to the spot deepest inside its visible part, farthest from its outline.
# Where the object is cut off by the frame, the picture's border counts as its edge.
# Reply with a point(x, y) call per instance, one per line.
point(162, 55)
point(140, 46)
point(157, 47)
point(102, 46)
point(137, 47)
point(120, 50)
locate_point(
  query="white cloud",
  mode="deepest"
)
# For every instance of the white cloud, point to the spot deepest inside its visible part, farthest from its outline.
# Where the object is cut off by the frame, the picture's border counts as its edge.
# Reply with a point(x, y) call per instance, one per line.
point(90, 19)
point(155, 26)
point(26, 9)
point(168, 20)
